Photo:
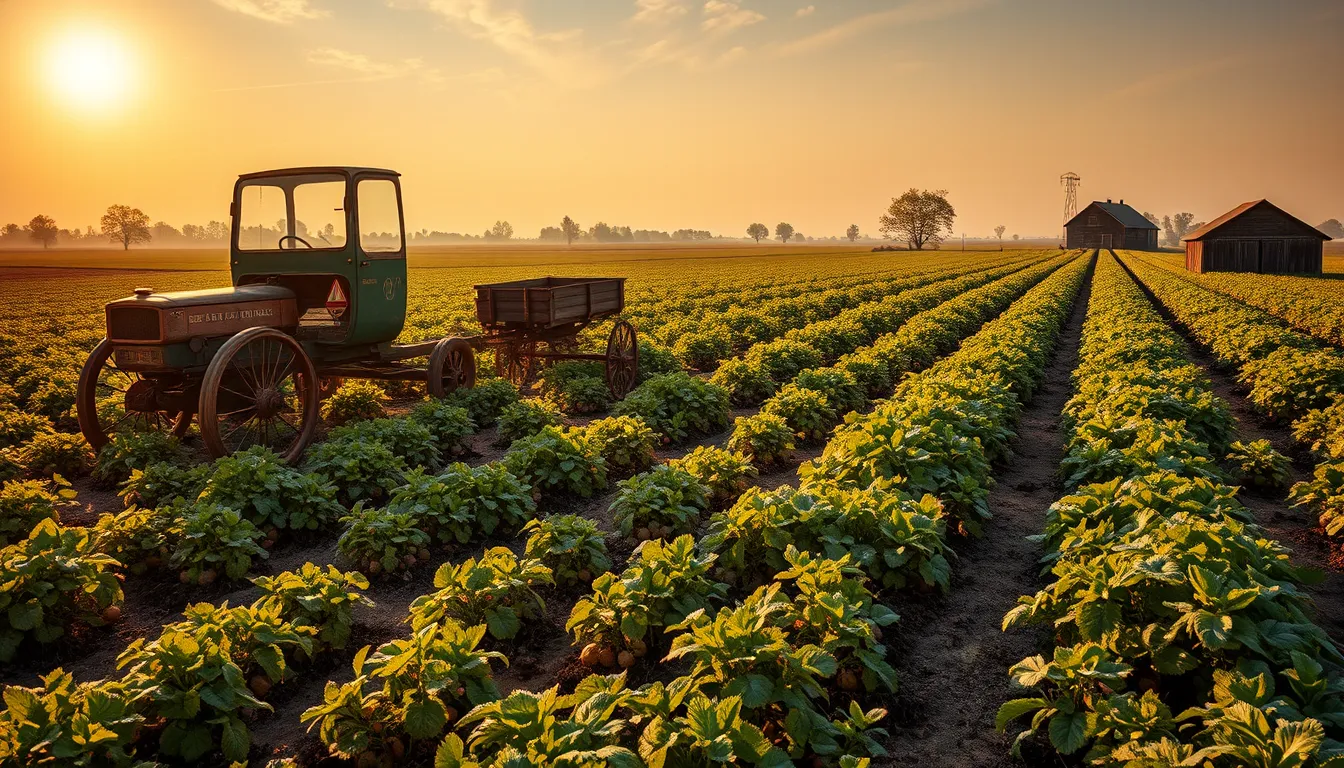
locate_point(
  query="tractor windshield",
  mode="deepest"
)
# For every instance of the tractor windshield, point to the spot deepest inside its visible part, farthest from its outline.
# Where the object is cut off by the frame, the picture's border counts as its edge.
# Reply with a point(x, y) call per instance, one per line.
point(292, 212)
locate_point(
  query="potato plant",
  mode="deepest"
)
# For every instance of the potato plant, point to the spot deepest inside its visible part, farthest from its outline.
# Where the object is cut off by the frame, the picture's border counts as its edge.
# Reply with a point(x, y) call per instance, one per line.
point(625, 442)
point(323, 600)
point(557, 461)
point(526, 418)
point(408, 689)
point(62, 722)
point(51, 580)
point(126, 452)
point(450, 426)
point(573, 547)
point(139, 538)
point(355, 400)
point(48, 454)
point(499, 591)
point(382, 541)
point(724, 472)
point(659, 503)
point(215, 541)
point(485, 401)
point(677, 406)
point(361, 471)
point(1258, 465)
point(25, 503)
point(746, 384)
point(269, 493)
point(763, 438)
point(408, 439)
point(464, 503)
point(158, 484)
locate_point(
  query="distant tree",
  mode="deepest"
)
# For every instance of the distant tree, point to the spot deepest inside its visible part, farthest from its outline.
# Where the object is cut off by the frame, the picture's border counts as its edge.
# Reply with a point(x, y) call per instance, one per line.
point(799, 237)
point(784, 231)
point(1153, 218)
point(852, 233)
point(42, 229)
point(126, 225)
point(162, 230)
point(758, 232)
point(1333, 228)
point(570, 228)
point(998, 232)
point(1017, 237)
point(1176, 227)
point(918, 217)
point(10, 230)
point(502, 230)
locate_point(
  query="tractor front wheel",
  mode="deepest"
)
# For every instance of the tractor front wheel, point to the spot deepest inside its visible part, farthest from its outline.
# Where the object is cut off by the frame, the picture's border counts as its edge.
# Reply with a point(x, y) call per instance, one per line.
point(260, 389)
point(110, 399)
point(452, 366)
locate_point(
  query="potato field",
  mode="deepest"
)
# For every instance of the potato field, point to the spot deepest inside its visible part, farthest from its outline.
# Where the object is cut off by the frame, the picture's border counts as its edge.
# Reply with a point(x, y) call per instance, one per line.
point(944, 508)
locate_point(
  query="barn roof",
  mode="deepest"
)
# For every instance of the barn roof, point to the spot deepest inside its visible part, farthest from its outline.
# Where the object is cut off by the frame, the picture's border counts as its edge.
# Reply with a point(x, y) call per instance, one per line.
point(1204, 231)
point(1127, 216)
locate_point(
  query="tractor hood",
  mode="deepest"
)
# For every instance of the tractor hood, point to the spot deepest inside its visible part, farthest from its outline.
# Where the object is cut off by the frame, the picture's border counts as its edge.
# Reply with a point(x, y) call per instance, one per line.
point(166, 318)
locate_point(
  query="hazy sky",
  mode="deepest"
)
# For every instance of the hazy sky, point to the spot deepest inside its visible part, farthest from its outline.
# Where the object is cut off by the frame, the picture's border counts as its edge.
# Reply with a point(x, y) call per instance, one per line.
point(676, 113)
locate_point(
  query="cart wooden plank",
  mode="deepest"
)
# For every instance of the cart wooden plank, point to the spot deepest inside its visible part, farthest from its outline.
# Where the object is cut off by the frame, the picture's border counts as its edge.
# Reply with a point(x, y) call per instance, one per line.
point(546, 302)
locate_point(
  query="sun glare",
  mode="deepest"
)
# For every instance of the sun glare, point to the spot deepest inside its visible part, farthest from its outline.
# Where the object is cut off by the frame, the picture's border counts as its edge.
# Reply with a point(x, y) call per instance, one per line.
point(89, 69)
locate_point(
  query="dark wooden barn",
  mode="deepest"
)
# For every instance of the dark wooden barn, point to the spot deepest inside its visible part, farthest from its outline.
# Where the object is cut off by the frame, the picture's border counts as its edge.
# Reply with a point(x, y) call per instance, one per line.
point(1256, 237)
point(1111, 225)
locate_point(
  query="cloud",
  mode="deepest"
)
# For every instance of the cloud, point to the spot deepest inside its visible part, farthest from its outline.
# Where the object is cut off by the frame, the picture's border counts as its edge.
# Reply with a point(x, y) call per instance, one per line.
point(912, 12)
point(658, 11)
point(358, 62)
point(724, 17)
point(806, 10)
point(556, 55)
point(276, 11)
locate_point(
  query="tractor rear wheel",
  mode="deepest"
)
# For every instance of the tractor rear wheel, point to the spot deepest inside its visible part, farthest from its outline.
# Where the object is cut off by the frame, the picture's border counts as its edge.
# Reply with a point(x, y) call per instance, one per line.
point(452, 366)
point(101, 401)
point(260, 389)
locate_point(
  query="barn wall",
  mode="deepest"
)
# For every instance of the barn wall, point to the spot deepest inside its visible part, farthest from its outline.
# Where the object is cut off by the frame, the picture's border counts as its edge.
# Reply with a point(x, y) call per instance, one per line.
point(1270, 255)
point(1084, 235)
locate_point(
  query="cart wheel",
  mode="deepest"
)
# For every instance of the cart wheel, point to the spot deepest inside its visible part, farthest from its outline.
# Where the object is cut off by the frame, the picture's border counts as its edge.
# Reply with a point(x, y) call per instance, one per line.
point(622, 359)
point(452, 366)
point(102, 396)
point(260, 389)
point(513, 361)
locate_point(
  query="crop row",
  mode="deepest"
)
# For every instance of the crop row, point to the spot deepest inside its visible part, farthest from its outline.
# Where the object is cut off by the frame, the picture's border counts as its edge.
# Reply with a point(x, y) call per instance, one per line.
point(1291, 376)
point(1312, 305)
point(1180, 634)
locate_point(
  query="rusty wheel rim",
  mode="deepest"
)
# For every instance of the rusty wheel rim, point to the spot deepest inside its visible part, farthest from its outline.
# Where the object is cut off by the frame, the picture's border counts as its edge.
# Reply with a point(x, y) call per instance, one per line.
point(622, 359)
point(259, 391)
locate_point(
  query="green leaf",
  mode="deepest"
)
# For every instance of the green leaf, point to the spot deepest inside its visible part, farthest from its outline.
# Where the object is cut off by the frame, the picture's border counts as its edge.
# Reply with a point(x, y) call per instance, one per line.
point(235, 740)
point(1068, 732)
point(503, 622)
point(425, 718)
point(25, 616)
point(755, 690)
point(1011, 710)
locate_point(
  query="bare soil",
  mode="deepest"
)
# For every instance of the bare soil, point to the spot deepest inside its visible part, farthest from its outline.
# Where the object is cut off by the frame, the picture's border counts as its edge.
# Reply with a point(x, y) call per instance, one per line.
point(950, 656)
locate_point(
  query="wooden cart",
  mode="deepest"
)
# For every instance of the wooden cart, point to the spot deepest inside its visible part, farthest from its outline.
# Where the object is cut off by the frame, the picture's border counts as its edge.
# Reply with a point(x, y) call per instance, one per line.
point(520, 315)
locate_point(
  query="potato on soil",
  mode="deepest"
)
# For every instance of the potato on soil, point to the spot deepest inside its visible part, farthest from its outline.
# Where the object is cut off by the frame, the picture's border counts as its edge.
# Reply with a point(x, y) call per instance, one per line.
point(606, 656)
point(626, 659)
point(590, 655)
point(112, 614)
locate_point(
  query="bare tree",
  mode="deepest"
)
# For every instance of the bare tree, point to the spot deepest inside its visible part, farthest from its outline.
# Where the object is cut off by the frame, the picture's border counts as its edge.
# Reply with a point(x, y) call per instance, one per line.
point(918, 217)
point(570, 228)
point(999, 230)
point(758, 232)
point(42, 229)
point(784, 231)
point(126, 225)
point(852, 233)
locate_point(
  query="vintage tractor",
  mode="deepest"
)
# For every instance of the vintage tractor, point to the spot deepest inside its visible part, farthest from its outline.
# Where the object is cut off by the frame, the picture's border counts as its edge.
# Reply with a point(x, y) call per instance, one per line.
point(318, 261)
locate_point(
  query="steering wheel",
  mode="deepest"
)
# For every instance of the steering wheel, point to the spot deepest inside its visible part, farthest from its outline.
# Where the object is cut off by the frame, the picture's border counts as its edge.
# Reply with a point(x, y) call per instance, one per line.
point(296, 238)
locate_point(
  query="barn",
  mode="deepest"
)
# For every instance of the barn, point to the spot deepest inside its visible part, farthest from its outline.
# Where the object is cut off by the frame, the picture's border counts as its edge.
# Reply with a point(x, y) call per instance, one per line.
point(1256, 237)
point(1110, 225)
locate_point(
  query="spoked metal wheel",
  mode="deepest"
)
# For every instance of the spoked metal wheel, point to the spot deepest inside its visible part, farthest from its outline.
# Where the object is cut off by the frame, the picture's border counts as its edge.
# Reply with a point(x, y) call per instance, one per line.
point(111, 399)
point(513, 361)
point(260, 389)
point(452, 366)
point(622, 359)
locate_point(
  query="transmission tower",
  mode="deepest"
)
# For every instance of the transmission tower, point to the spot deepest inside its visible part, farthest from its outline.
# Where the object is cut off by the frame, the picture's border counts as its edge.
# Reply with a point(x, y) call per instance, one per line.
point(1070, 181)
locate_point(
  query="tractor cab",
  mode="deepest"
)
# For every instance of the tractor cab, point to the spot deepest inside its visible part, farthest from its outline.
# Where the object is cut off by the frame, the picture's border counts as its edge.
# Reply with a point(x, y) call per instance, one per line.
point(335, 237)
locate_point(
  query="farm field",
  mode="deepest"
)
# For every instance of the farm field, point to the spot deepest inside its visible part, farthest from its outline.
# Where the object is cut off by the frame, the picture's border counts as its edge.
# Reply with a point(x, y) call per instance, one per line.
point(945, 508)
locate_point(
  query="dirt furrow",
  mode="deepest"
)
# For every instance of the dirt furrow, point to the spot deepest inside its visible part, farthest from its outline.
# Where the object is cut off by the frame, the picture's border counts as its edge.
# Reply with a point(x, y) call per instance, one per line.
point(951, 658)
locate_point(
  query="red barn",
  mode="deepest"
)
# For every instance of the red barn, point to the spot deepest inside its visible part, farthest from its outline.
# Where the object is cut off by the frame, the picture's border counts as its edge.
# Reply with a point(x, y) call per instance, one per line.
point(1256, 237)
point(1111, 225)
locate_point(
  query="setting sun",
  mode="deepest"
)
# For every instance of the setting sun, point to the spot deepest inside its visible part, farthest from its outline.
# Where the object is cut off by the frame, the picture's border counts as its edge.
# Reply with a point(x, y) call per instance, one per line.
point(89, 68)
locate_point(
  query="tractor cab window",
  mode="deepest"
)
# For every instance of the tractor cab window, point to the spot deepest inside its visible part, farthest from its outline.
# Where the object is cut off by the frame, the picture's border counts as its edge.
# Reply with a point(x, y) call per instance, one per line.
point(292, 213)
point(379, 216)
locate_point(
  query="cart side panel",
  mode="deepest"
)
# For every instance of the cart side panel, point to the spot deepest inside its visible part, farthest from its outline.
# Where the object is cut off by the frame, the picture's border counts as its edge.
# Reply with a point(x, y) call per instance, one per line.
point(572, 303)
